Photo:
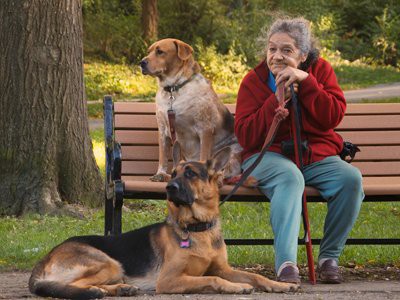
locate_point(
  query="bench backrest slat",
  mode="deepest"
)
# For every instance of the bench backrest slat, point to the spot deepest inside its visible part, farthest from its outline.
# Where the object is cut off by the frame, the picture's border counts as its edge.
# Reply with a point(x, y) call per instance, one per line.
point(367, 108)
point(351, 122)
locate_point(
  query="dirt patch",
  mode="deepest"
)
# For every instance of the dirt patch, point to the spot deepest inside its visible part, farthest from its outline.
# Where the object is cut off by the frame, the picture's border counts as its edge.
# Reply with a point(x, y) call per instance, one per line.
point(14, 285)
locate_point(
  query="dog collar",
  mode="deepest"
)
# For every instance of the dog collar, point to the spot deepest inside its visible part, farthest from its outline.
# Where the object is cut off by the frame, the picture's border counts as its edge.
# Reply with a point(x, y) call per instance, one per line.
point(177, 87)
point(185, 241)
point(201, 226)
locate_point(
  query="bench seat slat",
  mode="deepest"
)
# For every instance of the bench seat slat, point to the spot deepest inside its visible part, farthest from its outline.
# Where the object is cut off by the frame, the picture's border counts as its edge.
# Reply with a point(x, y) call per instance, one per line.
point(372, 186)
point(368, 153)
point(389, 168)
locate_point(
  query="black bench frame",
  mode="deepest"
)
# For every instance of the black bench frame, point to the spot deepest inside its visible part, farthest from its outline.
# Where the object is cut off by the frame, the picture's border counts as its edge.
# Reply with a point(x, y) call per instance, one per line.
point(115, 193)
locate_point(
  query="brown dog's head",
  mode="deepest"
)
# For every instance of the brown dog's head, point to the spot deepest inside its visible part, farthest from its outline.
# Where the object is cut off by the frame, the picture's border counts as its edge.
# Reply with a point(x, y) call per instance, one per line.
point(193, 188)
point(167, 58)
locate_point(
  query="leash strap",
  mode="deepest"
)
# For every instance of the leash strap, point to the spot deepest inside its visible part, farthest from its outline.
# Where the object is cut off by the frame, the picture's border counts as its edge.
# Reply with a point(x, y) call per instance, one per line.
point(171, 122)
point(267, 143)
point(171, 113)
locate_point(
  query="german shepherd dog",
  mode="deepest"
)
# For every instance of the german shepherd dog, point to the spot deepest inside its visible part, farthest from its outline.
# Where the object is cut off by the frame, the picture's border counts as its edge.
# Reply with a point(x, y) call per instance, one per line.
point(184, 254)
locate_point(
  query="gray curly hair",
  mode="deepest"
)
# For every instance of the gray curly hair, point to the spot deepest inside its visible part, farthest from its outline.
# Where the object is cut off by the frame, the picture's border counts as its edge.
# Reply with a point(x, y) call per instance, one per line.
point(299, 30)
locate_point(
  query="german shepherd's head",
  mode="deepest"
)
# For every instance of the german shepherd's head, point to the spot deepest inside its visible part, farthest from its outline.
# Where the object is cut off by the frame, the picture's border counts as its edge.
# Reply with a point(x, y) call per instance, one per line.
point(192, 192)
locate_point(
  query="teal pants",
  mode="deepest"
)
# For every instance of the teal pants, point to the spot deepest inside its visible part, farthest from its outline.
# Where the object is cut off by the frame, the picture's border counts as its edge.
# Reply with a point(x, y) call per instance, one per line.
point(282, 182)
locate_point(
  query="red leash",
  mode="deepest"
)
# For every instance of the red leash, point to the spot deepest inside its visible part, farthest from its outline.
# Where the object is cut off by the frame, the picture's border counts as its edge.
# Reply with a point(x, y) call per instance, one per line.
point(278, 117)
point(295, 123)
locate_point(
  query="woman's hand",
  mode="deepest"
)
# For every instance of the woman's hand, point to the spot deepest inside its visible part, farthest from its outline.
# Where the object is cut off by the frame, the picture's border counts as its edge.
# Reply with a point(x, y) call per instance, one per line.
point(290, 75)
point(288, 92)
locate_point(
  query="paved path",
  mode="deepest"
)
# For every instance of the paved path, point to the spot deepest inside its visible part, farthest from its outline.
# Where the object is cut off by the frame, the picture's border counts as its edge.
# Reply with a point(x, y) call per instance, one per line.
point(14, 285)
point(376, 92)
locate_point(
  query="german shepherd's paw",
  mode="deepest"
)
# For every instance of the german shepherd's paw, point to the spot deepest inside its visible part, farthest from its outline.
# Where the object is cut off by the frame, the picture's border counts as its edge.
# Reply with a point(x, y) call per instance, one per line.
point(97, 293)
point(160, 177)
point(127, 290)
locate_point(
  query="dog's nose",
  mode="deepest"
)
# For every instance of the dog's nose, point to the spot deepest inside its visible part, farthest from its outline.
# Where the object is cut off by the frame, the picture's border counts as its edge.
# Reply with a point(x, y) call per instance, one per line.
point(172, 187)
point(143, 63)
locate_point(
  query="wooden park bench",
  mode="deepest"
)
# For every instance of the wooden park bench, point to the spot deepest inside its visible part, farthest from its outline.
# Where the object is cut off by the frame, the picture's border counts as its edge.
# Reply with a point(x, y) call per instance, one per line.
point(132, 157)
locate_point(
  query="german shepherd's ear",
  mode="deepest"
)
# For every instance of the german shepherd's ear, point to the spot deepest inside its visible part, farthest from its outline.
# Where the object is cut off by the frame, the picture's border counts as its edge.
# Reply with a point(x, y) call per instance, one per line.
point(220, 159)
point(184, 50)
point(176, 154)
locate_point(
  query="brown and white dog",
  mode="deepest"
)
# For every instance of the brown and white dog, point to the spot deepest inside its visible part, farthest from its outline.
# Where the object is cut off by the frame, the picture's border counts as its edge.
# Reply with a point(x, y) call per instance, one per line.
point(203, 125)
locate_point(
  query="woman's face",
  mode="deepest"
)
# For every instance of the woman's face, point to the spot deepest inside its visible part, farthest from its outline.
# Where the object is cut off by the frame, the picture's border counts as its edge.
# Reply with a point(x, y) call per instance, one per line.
point(282, 52)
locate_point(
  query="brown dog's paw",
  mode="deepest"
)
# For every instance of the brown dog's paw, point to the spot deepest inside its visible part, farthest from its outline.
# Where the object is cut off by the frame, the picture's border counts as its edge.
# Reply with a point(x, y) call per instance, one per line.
point(160, 177)
point(250, 182)
point(127, 290)
point(282, 287)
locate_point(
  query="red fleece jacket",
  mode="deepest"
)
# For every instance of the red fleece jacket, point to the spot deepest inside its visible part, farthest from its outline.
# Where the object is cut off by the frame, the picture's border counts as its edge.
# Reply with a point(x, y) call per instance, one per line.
point(322, 105)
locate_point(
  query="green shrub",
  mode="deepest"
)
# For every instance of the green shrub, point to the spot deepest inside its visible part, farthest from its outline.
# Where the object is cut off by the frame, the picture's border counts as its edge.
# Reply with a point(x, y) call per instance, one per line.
point(118, 80)
point(386, 40)
point(224, 70)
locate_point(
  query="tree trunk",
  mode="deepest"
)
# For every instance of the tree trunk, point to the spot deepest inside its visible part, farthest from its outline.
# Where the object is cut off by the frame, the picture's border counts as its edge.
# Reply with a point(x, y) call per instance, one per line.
point(46, 156)
point(149, 20)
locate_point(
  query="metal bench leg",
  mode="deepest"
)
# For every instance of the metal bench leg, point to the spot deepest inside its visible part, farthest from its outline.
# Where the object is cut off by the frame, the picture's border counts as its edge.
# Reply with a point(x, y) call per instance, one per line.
point(119, 200)
point(108, 215)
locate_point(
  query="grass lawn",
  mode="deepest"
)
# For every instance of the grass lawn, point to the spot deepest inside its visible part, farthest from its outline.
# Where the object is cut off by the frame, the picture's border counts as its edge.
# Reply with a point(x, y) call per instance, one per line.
point(27, 239)
point(352, 77)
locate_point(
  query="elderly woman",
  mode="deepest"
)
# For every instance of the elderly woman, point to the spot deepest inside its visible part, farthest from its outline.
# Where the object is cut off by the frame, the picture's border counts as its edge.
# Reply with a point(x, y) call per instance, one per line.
point(291, 57)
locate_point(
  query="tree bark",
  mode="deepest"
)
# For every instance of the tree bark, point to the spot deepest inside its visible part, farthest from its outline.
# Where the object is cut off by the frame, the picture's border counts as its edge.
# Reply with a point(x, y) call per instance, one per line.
point(46, 156)
point(149, 20)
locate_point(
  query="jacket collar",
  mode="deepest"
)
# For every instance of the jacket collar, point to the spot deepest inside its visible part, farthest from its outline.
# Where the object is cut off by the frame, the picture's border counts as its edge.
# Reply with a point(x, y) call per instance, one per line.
point(262, 71)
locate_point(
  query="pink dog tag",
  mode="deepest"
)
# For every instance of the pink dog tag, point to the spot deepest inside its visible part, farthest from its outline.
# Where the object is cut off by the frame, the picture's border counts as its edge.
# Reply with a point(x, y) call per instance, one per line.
point(185, 243)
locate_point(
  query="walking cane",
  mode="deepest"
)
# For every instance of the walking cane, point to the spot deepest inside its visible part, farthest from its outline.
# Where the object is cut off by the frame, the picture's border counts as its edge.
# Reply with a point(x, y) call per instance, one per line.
point(295, 125)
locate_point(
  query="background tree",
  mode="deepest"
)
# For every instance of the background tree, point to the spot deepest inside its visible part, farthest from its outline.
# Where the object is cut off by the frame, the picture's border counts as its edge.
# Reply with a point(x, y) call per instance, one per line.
point(149, 20)
point(45, 149)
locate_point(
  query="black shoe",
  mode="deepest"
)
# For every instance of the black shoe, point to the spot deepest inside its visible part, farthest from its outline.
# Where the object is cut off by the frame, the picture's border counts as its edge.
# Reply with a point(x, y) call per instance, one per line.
point(289, 274)
point(329, 272)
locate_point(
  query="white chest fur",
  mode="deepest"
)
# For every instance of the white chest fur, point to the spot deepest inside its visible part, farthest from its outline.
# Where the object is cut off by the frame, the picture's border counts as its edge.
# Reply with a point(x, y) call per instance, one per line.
point(195, 110)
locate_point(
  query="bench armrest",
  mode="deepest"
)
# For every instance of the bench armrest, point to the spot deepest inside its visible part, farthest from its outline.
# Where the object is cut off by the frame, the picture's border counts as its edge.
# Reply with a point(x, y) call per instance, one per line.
point(112, 148)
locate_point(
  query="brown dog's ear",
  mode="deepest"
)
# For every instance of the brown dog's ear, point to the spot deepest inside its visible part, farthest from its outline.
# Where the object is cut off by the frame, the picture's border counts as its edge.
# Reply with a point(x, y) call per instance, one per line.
point(176, 154)
point(220, 159)
point(184, 50)
point(151, 48)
